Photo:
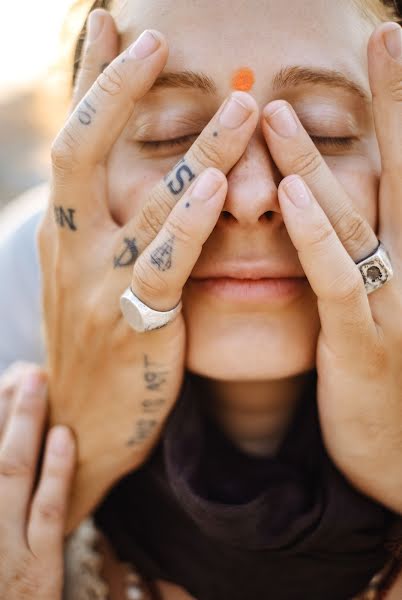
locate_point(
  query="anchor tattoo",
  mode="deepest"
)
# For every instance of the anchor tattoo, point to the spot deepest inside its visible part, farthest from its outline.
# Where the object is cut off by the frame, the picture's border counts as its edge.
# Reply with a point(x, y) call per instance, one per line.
point(128, 256)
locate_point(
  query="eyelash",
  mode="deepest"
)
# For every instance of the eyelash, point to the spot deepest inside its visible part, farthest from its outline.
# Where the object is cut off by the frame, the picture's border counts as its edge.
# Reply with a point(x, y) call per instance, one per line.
point(339, 142)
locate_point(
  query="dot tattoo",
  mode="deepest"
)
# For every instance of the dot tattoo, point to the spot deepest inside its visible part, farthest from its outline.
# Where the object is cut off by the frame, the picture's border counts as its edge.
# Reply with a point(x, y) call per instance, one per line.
point(65, 217)
point(128, 255)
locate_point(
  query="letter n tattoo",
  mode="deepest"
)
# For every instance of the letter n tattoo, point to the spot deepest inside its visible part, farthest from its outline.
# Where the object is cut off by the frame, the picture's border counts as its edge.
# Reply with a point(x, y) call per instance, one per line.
point(65, 217)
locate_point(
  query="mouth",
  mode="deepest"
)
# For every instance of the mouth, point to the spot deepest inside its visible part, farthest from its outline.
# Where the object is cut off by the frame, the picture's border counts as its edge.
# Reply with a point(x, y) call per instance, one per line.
point(263, 290)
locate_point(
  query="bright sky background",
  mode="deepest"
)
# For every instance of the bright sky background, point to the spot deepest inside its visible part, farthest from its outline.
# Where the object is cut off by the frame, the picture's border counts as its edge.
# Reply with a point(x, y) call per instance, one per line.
point(29, 37)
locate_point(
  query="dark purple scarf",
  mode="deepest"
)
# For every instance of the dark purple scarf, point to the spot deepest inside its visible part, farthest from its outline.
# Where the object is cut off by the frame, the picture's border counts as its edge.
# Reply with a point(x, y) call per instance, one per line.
point(227, 526)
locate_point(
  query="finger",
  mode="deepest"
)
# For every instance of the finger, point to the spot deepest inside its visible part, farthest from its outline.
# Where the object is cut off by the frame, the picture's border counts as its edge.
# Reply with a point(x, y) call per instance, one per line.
point(100, 48)
point(164, 267)
point(91, 131)
point(385, 76)
point(220, 145)
point(45, 531)
point(9, 382)
point(345, 314)
point(294, 152)
point(20, 447)
point(99, 118)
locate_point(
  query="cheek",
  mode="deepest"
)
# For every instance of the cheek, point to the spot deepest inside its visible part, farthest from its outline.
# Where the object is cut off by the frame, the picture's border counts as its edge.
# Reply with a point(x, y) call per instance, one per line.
point(130, 182)
point(361, 182)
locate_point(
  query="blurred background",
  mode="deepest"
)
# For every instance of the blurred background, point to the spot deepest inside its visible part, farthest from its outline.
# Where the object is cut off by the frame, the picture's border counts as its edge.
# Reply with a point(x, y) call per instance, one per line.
point(35, 45)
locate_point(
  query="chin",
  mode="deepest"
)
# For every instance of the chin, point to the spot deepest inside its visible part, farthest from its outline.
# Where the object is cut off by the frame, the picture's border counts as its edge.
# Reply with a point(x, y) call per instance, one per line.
point(251, 346)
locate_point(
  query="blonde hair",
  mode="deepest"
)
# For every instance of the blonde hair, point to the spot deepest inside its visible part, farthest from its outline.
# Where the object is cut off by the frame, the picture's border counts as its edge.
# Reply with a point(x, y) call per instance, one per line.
point(380, 10)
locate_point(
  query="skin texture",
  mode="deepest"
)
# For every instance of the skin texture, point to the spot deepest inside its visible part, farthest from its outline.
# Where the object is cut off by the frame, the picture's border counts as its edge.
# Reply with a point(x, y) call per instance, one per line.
point(280, 340)
point(250, 216)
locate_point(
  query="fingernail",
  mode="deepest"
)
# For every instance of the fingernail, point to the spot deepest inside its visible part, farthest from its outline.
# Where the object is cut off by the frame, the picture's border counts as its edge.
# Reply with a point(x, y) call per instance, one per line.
point(96, 21)
point(60, 441)
point(297, 192)
point(34, 385)
point(234, 113)
point(207, 185)
point(279, 116)
point(393, 41)
point(146, 45)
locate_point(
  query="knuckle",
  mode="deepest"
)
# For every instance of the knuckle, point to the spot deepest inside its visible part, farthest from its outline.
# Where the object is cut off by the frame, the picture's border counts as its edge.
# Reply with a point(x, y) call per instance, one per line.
point(154, 213)
point(148, 281)
point(395, 90)
point(177, 229)
point(353, 228)
point(13, 467)
point(307, 164)
point(62, 151)
point(321, 236)
point(110, 81)
point(208, 154)
point(50, 511)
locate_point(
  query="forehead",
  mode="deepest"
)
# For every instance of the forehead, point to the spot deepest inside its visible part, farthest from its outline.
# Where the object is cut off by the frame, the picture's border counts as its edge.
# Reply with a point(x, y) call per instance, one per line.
point(220, 36)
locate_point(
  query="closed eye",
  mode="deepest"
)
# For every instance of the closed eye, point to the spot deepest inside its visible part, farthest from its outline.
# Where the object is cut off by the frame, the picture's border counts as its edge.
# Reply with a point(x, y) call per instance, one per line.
point(180, 141)
point(338, 142)
point(324, 141)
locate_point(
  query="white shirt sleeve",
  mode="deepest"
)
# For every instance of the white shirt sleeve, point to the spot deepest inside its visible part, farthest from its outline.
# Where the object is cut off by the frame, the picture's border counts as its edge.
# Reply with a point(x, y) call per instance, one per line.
point(20, 289)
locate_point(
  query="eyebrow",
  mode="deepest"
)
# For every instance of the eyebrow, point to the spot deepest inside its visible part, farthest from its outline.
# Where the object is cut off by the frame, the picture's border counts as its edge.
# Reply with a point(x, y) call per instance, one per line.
point(289, 76)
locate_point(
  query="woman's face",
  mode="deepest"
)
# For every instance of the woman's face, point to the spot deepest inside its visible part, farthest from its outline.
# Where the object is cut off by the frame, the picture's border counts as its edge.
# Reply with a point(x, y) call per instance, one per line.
point(249, 339)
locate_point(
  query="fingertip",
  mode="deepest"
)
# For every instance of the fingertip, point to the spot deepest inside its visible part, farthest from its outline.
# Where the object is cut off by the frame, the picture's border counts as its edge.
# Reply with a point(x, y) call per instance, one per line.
point(95, 24)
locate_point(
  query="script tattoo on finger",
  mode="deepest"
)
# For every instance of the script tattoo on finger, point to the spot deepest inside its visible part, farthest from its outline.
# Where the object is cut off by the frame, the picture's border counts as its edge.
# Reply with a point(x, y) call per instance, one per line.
point(174, 179)
point(85, 115)
point(162, 256)
point(128, 255)
point(65, 217)
point(154, 381)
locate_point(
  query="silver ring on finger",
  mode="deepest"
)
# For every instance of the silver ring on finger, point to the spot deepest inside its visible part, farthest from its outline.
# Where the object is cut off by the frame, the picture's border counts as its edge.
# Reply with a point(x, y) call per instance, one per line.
point(376, 269)
point(142, 317)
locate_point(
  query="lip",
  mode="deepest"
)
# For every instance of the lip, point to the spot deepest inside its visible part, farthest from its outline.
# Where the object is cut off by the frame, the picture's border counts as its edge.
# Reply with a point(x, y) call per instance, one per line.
point(263, 290)
point(249, 270)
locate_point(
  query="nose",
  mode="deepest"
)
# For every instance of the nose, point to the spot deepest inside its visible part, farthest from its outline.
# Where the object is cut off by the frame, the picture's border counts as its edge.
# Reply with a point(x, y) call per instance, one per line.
point(252, 189)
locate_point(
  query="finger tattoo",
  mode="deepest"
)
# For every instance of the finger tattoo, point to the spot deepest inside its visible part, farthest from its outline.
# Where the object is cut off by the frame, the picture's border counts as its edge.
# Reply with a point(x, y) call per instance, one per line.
point(128, 255)
point(162, 256)
point(176, 185)
point(65, 217)
point(85, 116)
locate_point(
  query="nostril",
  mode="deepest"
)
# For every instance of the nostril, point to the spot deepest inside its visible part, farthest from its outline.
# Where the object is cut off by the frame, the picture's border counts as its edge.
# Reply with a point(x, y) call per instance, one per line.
point(269, 215)
point(227, 216)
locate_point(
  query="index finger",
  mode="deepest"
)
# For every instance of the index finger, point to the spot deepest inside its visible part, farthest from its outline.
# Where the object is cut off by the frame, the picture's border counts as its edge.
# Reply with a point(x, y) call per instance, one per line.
point(97, 121)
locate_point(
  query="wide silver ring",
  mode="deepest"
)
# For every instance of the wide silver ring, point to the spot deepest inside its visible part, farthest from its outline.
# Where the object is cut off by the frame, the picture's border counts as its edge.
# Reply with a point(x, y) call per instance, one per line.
point(376, 269)
point(143, 318)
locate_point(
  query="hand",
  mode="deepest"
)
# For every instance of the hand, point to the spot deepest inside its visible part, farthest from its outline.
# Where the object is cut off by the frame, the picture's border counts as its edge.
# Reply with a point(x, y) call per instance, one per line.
point(359, 352)
point(115, 387)
point(31, 521)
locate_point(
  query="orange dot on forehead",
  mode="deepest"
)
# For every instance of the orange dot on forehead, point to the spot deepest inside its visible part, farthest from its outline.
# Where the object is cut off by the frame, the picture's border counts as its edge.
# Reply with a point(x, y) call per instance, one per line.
point(243, 79)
